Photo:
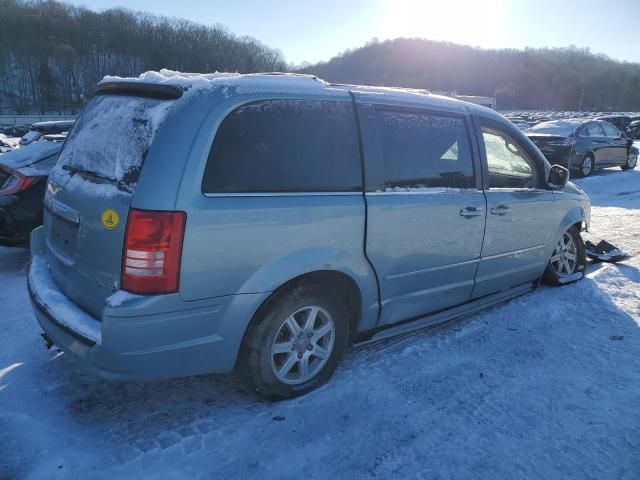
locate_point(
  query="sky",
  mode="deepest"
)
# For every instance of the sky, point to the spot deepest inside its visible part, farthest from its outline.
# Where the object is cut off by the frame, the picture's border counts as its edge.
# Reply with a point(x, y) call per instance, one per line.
point(312, 31)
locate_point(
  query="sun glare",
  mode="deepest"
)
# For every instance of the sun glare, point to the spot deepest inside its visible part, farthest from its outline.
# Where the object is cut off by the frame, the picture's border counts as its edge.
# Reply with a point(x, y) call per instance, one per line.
point(461, 21)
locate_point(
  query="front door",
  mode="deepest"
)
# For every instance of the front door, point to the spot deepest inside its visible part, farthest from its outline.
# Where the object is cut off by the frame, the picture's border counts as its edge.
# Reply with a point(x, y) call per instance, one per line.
point(520, 213)
point(426, 213)
point(597, 142)
point(617, 144)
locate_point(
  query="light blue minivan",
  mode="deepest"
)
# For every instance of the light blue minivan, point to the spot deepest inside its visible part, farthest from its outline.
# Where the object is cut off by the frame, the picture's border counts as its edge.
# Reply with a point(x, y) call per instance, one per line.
point(198, 223)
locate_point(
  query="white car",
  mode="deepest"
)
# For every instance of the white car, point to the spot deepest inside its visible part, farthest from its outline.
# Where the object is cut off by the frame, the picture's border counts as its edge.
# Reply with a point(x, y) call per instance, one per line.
point(8, 144)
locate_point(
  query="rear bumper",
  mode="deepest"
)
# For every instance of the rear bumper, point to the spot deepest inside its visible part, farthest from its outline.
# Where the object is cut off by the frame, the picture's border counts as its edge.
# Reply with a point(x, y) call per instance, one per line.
point(143, 337)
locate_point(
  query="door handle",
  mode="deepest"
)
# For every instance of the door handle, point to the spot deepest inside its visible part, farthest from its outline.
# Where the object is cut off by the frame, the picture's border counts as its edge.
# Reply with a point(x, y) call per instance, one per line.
point(500, 210)
point(469, 212)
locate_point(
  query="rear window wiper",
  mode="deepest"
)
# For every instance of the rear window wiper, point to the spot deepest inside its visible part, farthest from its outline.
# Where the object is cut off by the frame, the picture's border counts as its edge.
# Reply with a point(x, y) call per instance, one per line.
point(120, 184)
point(75, 169)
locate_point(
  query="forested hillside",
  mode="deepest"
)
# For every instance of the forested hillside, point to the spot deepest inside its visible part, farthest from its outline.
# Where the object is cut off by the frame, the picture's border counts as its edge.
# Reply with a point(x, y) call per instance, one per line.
point(52, 54)
point(531, 78)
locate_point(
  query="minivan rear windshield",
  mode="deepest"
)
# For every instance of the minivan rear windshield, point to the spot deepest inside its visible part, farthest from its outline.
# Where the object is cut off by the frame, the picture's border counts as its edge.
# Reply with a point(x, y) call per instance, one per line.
point(111, 138)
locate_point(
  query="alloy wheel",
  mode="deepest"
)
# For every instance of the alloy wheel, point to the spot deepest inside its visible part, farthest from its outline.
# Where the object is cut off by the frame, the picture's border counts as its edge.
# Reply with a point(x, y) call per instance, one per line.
point(303, 345)
point(632, 160)
point(587, 166)
point(565, 257)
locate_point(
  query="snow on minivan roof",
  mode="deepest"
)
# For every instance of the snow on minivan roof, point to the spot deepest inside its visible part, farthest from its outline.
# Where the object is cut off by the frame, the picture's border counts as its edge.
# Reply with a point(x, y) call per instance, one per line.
point(289, 83)
point(274, 82)
point(246, 83)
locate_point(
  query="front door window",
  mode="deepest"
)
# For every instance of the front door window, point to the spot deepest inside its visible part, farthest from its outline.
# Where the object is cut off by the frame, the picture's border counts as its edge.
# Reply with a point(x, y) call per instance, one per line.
point(509, 165)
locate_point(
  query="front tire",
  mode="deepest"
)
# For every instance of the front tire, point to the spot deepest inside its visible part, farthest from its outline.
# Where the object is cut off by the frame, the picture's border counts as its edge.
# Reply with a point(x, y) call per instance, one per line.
point(296, 342)
point(632, 161)
point(568, 260)
point(586, 166)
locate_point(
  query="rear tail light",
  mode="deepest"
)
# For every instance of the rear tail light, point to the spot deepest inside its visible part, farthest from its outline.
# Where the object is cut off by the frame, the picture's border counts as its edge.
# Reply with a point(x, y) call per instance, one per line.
point(152, 251)
point(564, 142)
point(12, 182)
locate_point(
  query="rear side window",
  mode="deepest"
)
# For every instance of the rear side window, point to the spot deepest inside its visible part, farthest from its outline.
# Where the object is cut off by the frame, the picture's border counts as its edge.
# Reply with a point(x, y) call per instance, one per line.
point(285, 146)
point(593, 130)
point(424, 150)
point(611, 131)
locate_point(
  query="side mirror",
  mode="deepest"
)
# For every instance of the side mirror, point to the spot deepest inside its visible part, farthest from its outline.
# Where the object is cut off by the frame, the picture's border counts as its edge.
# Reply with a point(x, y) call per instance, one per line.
point(558, 177)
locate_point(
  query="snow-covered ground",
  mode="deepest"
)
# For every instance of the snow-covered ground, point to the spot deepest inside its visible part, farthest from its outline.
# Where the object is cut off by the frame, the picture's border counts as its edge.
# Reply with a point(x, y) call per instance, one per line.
point(546, 386)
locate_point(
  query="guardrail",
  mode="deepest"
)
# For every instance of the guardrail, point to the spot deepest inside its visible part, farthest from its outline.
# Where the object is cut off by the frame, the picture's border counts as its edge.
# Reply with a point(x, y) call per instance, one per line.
point(6, 120)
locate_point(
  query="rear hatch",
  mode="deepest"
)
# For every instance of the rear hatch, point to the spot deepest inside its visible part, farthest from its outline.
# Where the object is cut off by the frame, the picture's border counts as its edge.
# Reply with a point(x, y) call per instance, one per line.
point(92, 185)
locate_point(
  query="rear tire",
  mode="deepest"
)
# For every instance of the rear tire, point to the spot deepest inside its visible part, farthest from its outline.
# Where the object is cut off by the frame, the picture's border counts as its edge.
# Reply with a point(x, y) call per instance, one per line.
point(632, 161)
point(568, 260)
point(586, 166)
point(296, 342)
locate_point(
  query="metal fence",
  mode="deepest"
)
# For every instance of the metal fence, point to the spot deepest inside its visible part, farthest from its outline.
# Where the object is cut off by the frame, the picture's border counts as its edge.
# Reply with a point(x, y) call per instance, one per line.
point(7, 120)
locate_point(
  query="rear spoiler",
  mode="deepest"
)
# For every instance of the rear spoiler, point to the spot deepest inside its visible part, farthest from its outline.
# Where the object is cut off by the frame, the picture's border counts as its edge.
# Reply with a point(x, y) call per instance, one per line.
point(140, 89)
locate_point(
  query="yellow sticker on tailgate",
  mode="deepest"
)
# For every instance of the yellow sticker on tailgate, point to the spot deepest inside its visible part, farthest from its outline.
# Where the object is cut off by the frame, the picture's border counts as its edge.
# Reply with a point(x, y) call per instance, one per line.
point(110, 219)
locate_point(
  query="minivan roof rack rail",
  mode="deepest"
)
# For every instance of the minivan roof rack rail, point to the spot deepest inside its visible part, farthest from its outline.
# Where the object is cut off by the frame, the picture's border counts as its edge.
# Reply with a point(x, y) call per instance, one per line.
point(398, 89)
point(153, 90)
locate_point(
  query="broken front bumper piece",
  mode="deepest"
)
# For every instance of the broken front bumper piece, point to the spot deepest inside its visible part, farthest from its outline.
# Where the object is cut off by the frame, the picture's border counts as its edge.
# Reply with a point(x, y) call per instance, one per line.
point(605, 252)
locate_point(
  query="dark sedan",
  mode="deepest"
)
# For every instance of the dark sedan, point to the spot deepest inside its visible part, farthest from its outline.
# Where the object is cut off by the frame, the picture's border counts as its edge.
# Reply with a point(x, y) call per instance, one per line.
point(582, 145)
point(23, 178)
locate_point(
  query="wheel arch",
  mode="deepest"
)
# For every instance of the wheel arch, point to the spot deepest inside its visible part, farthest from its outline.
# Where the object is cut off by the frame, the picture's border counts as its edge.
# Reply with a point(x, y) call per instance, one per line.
point(341, 283)
point(575, 217)
point(319, 263)
point(338, 281)
point(590, 153)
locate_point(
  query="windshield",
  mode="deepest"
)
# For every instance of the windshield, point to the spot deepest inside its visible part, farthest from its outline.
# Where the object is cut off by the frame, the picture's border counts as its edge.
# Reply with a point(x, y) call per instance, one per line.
point(111, 138)
point(565, 129)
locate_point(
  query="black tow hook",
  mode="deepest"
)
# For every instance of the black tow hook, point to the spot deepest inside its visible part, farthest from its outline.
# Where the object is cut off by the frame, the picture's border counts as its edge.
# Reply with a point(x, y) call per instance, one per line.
point(47, 341)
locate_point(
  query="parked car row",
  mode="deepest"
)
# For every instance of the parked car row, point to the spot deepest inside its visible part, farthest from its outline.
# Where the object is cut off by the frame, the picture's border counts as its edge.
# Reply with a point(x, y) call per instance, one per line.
point(9, 138)
point(16, 131)
point(626, 122)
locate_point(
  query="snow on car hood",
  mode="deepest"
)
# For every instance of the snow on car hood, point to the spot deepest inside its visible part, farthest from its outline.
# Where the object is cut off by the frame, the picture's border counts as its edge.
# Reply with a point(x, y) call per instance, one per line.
point(29, 154)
